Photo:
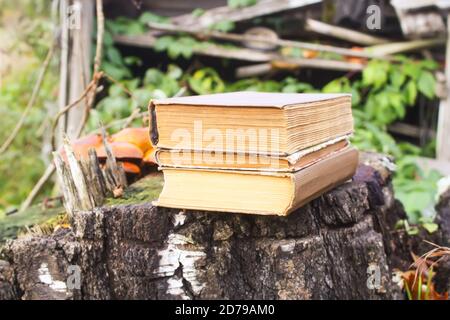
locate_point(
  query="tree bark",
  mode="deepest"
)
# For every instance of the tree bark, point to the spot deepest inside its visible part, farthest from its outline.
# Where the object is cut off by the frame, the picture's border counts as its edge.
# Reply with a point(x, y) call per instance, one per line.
point(340, 246)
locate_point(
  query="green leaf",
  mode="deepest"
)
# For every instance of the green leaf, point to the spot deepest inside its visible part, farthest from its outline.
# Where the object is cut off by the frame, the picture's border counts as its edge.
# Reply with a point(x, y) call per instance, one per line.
point(222, 26)
point(108, 39)
point(426, 84)
point(163, 43)
point(340, 85)
point(115, 72)
point(397, 78)
point(147, 17)
point(153, 76)
point(376, 73)
point(397, 102)
point(412, 69)
point(206, 81)
point(132, 61)
point(174, 72)
point(429, 64)
point(412, 231)
point(411, 92)
point(430, 227)
point(113, 55)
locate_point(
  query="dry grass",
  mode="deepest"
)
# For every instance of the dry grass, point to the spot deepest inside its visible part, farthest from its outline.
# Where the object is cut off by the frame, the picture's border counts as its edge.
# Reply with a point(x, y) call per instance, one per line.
point(418, 282)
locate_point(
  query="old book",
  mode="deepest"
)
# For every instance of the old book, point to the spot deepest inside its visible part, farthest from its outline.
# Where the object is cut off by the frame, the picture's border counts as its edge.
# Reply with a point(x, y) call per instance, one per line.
point(250, 122)
point(258, 162)
point(255, 192)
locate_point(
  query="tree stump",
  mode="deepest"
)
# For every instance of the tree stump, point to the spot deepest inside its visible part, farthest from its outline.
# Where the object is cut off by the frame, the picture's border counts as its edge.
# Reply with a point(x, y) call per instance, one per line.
point(339, 246)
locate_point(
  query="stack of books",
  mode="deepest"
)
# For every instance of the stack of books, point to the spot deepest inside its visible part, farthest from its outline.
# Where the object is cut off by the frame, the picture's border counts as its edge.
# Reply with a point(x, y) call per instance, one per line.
point(250, 152)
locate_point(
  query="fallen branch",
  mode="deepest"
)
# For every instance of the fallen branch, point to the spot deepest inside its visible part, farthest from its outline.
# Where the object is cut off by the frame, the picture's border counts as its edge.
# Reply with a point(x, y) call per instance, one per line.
point(217, 14)
point(250, 38)
point(32, 100)
point(404, 46)
point(251, 55)
point(342, 33)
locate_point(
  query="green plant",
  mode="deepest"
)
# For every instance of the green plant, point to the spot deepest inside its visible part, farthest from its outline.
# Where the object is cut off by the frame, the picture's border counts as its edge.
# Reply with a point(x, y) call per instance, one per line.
point(126, 95)
point(223, 26)
point(380, 98)
point(178, 46)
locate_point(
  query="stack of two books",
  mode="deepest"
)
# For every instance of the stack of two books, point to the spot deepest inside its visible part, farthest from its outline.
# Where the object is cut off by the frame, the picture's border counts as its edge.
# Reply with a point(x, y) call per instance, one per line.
point(248, 152)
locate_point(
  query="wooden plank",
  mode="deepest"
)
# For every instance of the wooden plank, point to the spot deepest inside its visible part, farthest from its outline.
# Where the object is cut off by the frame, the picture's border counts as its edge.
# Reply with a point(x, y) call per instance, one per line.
point(250, 55)
point(443, 131)
point(80, 62)
point(342, 33)
point(148, 41)
point(410, 130)
point(253, 70)
point(243, 38)
point(381, 50)
point(226, 13)
point(420, 24)
point(418, 4)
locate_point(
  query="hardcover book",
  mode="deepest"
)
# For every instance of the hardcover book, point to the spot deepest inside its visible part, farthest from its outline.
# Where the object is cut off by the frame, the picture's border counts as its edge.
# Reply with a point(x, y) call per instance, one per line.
point(250, 152)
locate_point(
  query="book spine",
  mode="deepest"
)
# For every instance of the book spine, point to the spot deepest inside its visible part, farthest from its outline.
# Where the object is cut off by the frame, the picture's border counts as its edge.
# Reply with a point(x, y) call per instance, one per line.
point(154, 136)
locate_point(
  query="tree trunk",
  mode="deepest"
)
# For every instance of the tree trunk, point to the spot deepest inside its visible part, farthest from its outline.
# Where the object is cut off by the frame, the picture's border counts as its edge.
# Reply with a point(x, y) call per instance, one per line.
point(340, 246)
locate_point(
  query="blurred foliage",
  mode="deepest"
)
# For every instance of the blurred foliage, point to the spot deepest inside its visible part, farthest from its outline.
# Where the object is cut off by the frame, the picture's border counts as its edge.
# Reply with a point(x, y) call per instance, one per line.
point(21, 55)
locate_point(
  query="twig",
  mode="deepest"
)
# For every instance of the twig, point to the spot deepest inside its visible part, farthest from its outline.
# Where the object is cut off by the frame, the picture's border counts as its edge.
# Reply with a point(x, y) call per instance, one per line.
point(100, 33)
point(63, 111)
point(32, 100)
point(133, 115)
point(121, 85)
point(34, 192)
